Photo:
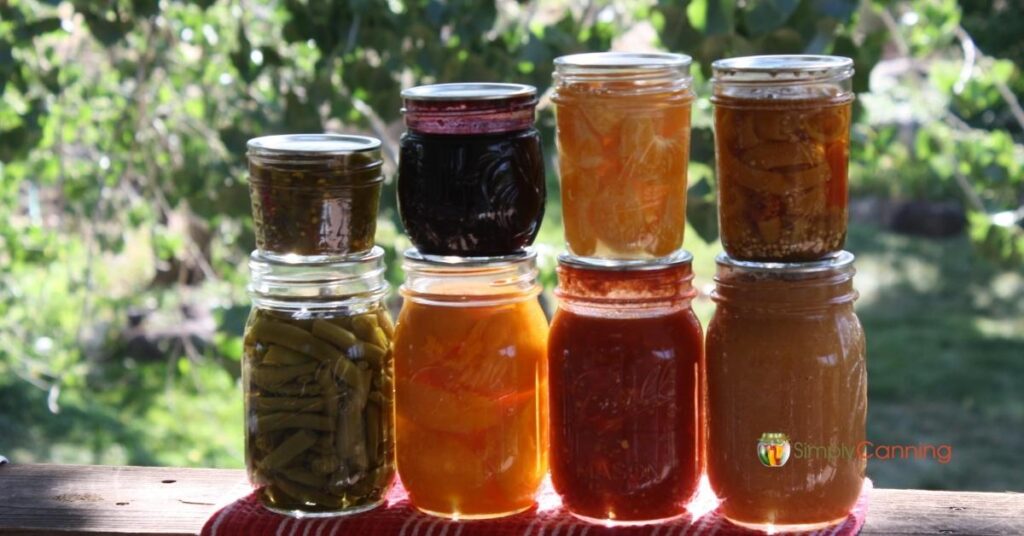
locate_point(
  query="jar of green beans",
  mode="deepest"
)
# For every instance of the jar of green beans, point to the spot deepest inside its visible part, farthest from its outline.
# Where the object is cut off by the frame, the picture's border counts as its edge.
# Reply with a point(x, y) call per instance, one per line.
point(319, 385)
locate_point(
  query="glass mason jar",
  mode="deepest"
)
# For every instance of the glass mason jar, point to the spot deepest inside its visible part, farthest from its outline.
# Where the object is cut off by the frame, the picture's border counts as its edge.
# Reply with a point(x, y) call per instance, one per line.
point(787, 393)
point(471, 365)
point(626, 359)
point(782, 136)
point(623, 125)
point(314, 196)
point(318, 377)
point(471, 172)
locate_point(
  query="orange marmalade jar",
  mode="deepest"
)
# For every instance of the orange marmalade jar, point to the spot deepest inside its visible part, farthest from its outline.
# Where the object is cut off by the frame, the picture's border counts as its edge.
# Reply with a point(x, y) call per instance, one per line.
point(623, 133)
point(471, 385)
point(786, 393)
point(782, 137)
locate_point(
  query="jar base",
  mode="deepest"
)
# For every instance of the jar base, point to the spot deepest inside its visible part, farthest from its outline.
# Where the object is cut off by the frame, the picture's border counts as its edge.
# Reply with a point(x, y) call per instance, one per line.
point(626, 522)
point(473, 517)
point(773, 528)
point(300, 514)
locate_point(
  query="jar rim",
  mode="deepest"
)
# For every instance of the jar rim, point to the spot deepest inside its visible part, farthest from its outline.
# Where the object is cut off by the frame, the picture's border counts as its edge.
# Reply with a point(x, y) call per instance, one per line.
point(454, 261)
point(312, 145)
point(781, 68)
point(840, 261)
point(614, 61)
point(358, 276)
point(678, 258)
point(468, 91)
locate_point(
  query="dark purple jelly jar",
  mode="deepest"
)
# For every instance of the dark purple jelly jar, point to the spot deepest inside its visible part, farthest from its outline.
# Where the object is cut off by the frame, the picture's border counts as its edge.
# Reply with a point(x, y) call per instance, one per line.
point(471, 170)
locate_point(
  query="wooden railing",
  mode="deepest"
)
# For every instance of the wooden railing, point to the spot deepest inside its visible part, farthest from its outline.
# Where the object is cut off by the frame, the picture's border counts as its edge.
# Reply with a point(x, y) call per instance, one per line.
point(82, 499)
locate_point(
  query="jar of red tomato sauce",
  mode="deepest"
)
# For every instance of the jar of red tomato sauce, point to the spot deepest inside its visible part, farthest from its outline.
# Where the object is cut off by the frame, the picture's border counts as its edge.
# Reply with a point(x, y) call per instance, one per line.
point(626, 363)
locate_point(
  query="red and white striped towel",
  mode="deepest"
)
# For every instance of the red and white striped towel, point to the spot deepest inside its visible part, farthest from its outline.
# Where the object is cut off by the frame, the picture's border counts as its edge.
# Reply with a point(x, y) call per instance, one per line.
point(397, 517)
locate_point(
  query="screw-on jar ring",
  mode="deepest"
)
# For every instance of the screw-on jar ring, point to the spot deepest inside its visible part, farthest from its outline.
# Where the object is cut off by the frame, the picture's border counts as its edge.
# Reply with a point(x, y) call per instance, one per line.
point(470, 281)
point(469, 108)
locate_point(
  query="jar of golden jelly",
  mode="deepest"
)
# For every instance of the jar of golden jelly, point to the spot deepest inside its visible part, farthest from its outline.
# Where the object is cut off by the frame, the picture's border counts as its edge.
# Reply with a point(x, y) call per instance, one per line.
point(318, 377)
point(471, 171)
point(786, 393)
point(626, 357)
point(471, 384)
point(623, 132)
point(314, 196)
point(782, 136)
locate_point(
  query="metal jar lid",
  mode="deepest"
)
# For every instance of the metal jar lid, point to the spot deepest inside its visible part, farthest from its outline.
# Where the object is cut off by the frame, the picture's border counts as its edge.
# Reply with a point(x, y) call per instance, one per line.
point(336, 151)
point(679, 258)
point(781, 69)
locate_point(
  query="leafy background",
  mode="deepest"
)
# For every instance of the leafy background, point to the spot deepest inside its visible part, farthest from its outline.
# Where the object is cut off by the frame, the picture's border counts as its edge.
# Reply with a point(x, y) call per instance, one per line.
point(124, 210)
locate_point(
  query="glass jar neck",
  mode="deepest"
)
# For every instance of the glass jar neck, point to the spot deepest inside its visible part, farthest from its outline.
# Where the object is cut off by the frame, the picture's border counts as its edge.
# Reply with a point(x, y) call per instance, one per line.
point(354, 283)
point(475, 108)
point(785, 288)
point(470, 281)
point(782, 78)
point(625, 290)
point(615, 74)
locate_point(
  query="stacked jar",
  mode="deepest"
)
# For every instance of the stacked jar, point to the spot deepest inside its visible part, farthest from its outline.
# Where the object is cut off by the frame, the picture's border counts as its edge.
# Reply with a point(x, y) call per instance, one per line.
point(317, 368)
point(470, 343)
point(626, 350)
point(786, 376)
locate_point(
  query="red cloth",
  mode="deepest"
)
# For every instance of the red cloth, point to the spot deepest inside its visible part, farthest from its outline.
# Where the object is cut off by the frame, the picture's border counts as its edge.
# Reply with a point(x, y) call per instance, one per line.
point(397, 517)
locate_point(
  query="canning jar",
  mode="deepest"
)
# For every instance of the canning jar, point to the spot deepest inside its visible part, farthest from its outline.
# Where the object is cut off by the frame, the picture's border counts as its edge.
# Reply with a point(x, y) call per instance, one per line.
point(314, 196)
point(318, 378)
point(471, 172)
point(787, 393)
point(471, 365)
point(626, 359)
point(623, 132)
point(782, 136)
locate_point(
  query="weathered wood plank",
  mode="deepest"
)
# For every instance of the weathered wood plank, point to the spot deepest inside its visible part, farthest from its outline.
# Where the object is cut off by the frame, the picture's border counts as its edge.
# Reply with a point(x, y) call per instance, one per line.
point(75, 499)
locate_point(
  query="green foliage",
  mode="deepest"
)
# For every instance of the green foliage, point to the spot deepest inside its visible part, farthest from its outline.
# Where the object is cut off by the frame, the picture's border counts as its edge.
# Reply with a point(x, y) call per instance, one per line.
point(123, 186)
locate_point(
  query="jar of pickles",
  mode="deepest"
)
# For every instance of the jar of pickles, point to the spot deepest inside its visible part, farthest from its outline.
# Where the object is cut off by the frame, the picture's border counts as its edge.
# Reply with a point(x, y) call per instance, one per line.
point(623, 132)
point(314, 196)
point(782, 135)
point(786, 393)
point(626, 359)
point(471, 172)
point(319, 385)
point(471, 365)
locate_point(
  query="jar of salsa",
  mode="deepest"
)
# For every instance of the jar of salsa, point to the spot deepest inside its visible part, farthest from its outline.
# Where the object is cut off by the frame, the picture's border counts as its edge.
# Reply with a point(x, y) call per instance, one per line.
point(626, 363)
point(314, 196)
point(623, 131)
point(786, 393)
point(319, 385)
point(471, 365)
point(782, 137)
point(471, 172)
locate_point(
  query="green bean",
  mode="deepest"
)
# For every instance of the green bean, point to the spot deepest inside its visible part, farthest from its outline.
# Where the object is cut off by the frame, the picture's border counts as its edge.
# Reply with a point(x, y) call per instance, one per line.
point(363, 326)
point(330, 391)
point(377, 398)
point(346, 371)
point(296, 444)
point(304, 477)
point(336, 335)
point(279, 355)
point(307, 390)
point(270, 422)
point(373, 354)
point(325, 464)
point(305, 494)
point(380, 339)
point(384, 320)
point(373, 434)
point(269, 377)
point(284, 403)
point(352, 437)
point(292, 337)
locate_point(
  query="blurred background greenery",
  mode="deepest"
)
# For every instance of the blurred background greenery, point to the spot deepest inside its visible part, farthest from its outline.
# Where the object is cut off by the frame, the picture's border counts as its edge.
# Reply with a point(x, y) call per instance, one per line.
point(125, 224)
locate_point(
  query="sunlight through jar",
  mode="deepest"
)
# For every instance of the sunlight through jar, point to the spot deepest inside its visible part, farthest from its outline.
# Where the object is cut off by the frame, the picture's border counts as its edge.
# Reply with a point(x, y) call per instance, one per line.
point(786, 381)
point(319, 385)
point(471, 380)
point(626, 354)
point(623, 132)
point(314, 196)
point(782, 136)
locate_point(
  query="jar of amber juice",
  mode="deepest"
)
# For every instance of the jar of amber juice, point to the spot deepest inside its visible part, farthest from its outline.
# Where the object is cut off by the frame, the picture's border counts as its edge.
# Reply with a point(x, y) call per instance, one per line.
point(471, 365)
point(786, 393)
point(623, 132)
point(782, 136)
point(471, 171)
point(314, 196)
point(626, 359)
point(319, 385)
